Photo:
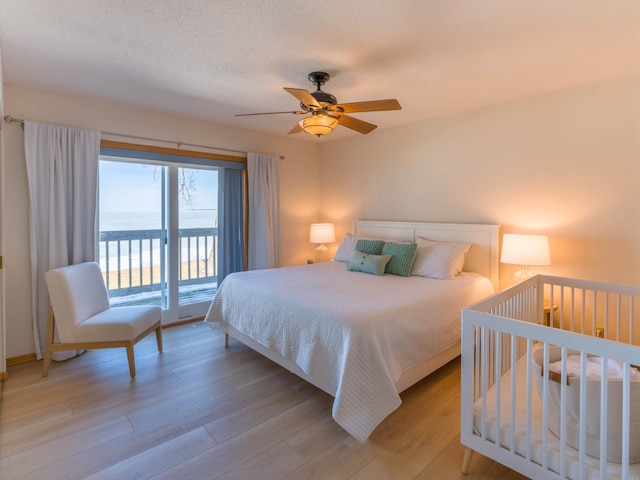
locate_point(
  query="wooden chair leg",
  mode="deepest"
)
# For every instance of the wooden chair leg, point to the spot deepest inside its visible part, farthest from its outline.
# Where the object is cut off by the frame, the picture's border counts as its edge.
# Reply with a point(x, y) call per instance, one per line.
point(226, 340)
point(132, 360)
point(466, 460)
point(159, 337)
point(47, 344)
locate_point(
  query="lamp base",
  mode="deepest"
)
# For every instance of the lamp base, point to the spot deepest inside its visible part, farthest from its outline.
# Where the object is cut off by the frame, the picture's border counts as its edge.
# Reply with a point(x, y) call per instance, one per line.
point(523, 274)
point(321, 254)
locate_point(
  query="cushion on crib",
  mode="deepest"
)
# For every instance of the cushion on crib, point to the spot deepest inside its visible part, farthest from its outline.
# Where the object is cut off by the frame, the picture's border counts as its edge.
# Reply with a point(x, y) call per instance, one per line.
point(592, 433)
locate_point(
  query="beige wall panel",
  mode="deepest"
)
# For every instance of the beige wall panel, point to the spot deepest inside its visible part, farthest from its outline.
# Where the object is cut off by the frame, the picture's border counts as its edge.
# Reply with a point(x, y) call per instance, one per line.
point(565, 164)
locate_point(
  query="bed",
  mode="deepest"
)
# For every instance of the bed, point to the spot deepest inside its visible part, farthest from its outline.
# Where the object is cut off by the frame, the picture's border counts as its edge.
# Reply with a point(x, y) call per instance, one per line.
point(361, 338)
point(530, 398)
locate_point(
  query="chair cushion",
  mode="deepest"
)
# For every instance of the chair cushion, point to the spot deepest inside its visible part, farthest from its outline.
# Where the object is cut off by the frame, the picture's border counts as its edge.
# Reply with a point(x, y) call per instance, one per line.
point(118, 323)
point(77, 292)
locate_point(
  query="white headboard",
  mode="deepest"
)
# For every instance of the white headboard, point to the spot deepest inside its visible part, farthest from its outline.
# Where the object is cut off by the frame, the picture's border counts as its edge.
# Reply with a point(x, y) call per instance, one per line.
point(483, 257)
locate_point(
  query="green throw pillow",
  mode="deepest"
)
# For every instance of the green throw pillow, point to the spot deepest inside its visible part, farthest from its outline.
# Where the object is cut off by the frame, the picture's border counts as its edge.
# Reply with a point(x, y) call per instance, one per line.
point(373, 247)
point(367, 263)
point(402, 257)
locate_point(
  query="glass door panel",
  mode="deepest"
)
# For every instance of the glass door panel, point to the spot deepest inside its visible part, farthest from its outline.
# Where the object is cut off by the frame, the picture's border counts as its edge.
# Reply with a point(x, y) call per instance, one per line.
point(132, 234)
point(197, 238)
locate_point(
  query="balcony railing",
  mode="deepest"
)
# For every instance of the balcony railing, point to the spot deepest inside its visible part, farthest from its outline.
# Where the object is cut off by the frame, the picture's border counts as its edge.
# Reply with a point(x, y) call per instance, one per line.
point(132, 263)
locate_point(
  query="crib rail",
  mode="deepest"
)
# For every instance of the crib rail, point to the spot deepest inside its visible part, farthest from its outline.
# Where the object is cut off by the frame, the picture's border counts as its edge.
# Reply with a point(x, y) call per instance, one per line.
point(508, 343)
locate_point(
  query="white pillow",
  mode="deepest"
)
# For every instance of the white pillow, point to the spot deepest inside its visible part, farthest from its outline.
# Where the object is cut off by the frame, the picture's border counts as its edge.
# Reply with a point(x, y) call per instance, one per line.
point(346, 248)
point(465, 247)
point(439, 260)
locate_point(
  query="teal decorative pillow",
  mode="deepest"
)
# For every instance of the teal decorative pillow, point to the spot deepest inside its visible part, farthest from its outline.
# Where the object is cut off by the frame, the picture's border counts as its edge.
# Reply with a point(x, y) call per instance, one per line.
point(372, 247)
point(367, 263)
point(402, 257)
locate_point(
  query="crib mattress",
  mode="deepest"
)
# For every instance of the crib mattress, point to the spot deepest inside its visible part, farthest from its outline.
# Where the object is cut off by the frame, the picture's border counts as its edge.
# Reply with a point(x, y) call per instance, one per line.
point(592, 467)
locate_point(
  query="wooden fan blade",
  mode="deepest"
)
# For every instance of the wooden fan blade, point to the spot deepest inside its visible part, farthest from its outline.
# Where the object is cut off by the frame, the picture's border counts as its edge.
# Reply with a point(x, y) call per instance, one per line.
point(295, 129)
point(355, 124)
point(370, 106)
point(269, 113)
point(305, 97)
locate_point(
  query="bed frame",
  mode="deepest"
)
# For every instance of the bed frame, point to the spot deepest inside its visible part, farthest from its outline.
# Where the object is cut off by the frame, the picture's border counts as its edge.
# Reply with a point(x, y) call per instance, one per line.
point(482, 258)
point(499, 337)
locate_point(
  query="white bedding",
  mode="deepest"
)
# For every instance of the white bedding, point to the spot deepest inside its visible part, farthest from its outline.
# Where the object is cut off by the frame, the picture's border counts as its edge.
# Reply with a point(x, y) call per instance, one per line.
point(592, 464)
point(354, 332)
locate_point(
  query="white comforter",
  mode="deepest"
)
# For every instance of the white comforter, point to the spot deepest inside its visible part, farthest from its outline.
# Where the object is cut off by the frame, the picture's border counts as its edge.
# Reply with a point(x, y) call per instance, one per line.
point(354, 332)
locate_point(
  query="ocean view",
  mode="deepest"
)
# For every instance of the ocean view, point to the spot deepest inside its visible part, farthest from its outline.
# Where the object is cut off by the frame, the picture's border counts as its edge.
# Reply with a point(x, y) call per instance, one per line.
point(124, 221)
point(131, 220)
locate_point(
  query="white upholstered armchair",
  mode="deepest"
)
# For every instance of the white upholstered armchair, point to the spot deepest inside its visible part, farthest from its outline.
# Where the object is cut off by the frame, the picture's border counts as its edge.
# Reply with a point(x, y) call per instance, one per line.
point(83, 318)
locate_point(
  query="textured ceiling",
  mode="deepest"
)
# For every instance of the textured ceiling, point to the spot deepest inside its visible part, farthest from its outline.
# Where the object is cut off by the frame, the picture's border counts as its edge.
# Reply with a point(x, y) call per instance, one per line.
point(212, 59)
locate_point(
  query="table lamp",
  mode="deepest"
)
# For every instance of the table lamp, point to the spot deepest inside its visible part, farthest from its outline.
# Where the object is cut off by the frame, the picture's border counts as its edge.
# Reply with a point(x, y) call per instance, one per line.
point(525, 250)
point(322, 233)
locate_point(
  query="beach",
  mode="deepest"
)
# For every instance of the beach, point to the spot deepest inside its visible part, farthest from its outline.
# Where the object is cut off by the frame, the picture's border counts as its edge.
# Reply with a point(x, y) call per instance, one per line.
point(135, 277)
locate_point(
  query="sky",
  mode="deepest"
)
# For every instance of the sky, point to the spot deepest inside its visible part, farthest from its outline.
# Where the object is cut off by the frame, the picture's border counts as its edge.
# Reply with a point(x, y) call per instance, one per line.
point(136, 189)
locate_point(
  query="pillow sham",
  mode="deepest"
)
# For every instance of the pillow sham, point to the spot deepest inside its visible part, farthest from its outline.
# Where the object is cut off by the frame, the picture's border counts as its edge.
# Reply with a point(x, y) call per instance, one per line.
point(403, 256)
point(367, 263)
point(346, 248)
point(465, 247)
point(372, 247)
point(440, 260)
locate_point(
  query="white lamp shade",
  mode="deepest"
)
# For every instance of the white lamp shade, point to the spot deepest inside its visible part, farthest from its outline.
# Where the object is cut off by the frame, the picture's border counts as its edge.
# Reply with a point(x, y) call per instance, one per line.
point(322, 233)
point(527, 250)
point(318, 124)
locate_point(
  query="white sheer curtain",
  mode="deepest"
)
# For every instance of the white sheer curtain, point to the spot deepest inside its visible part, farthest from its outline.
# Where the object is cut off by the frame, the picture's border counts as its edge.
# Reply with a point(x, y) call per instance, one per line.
point(62, 172)
point(264, 210)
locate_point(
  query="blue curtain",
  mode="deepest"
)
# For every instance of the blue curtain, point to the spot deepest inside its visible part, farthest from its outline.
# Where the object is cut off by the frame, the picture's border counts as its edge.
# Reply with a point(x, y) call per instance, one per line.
point(231, 221)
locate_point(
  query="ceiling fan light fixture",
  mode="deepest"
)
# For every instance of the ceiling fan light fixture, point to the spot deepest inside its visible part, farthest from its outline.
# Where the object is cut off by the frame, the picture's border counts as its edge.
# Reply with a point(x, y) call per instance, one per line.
point(318, 124)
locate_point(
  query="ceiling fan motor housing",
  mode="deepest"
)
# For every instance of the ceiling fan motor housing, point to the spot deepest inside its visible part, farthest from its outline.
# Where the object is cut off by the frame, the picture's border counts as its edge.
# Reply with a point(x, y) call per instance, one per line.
point(324, 97)
point(319, 79)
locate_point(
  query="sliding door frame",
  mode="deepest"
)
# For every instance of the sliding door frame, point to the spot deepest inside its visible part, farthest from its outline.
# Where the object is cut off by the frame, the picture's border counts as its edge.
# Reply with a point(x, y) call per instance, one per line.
point(177, 158)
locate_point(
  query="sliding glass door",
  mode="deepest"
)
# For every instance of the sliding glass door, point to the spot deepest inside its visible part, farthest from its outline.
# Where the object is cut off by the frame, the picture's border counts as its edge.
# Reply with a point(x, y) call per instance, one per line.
point(159, 232)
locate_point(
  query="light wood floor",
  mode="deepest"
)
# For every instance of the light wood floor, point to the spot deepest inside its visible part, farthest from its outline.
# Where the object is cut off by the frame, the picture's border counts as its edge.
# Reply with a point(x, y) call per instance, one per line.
point(200, 411)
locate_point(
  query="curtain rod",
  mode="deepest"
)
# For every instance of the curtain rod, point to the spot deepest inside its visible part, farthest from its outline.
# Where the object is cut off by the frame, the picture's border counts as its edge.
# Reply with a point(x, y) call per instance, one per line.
point(10, 119)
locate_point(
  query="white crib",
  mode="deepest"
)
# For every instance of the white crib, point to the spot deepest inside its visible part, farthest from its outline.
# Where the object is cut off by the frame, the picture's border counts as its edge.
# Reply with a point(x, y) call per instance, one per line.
point(503, 416)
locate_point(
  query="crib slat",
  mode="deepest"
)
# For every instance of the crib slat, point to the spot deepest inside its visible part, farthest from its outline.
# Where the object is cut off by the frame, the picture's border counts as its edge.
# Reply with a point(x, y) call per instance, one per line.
point(594, 324)
point(484, 351)
point(498, 384)
point(604, 384)
point(545, 406)
point(618, 316)
point(583, 313)
point(563, 412)
point(583, 415)
point(514, 383)
point(626, 417)
point(631, 322)
point(529, 409)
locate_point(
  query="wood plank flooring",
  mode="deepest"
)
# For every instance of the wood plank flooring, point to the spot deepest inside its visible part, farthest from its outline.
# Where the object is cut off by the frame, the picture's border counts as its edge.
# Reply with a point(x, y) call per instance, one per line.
point(200, 411)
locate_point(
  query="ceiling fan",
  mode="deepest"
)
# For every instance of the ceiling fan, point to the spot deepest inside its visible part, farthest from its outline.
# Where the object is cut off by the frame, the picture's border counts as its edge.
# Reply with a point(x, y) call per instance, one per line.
point(325, 112)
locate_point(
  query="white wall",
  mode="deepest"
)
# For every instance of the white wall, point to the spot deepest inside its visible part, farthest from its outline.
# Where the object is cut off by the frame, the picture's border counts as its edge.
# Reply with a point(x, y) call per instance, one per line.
point(299, 179)
point(566, 164)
